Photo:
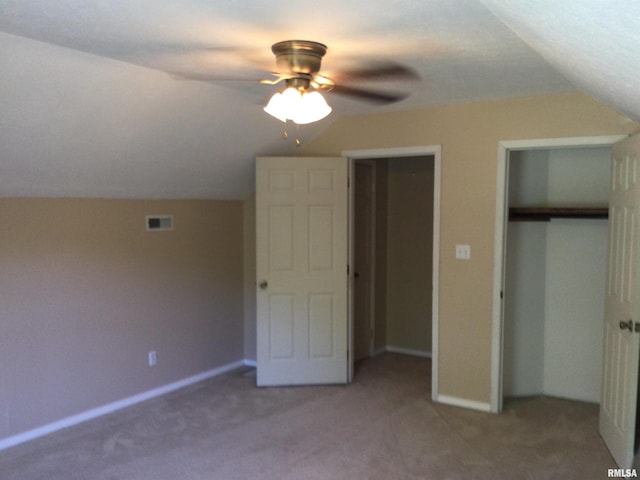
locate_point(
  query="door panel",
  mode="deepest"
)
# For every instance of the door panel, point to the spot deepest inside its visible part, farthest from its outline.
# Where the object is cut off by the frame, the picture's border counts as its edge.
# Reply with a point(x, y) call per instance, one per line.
point(363, 258)
point(321, 320)
point(621, 345)
point(281, 326)
point(280, 253)
point(320, 238)
point(301, 239)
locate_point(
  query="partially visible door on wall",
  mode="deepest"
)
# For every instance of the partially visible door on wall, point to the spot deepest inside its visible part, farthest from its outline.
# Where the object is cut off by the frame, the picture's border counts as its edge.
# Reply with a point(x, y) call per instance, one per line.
point(363, 259)
point(622, 309)
point(301, 264)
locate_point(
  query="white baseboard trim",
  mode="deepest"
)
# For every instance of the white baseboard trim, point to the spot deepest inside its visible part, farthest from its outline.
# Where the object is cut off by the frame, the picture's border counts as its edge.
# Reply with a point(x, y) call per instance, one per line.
point(250, 363)
point(408, 351)
point(379, 351)
point(112, 407)
point(464, 403)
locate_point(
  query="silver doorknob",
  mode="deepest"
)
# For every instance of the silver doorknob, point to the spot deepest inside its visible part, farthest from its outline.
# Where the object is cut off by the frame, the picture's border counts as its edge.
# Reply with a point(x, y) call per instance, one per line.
point(263, 284)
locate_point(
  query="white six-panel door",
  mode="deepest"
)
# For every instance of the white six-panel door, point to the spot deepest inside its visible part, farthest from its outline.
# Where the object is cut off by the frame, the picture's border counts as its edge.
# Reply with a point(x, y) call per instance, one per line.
point(621, 342)
point(301, 264)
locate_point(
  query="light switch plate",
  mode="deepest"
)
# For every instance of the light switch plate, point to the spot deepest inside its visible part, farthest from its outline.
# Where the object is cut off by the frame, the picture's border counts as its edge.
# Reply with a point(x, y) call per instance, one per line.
point(463, 252)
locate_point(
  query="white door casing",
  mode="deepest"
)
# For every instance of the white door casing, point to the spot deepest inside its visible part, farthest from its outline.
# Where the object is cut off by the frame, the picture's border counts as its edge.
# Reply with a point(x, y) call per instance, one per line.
point(436, 152)
point(622, 310)
point(504, 147)
point(301, 267)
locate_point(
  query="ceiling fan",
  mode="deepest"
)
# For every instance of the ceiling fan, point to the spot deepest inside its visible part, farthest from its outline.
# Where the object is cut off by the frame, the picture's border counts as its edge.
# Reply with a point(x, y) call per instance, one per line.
point(299, 62)
point(298, 65)
point(298, 69)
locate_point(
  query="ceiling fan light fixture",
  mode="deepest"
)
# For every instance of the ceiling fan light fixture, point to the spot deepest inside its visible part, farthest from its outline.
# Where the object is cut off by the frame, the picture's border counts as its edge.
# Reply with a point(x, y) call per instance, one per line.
point(276, 107)
point(299, 106)
point(313, 107)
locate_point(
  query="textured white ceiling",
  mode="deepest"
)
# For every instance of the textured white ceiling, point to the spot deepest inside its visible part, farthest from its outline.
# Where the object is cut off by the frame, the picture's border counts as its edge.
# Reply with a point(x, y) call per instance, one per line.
point(88, 108)
point(594, 43)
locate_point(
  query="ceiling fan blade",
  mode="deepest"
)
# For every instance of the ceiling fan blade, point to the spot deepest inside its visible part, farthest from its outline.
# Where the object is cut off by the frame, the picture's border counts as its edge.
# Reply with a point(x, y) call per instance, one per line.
point(214, 78)
point(367, 95)
point(377, 71)
point(196, 61)
point(248, 53)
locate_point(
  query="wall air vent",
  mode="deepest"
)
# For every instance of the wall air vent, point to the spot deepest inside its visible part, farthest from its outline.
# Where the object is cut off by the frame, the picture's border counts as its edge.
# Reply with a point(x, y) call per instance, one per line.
point(159, 223)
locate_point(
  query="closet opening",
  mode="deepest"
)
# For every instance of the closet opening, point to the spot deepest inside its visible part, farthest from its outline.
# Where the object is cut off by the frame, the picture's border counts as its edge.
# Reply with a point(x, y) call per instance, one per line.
point(561, 178)
point(555, 272)
point(393, 231)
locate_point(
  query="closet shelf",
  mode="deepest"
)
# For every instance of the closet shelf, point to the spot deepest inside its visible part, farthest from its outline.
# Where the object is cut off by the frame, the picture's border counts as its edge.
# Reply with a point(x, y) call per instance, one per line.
point(545, 214)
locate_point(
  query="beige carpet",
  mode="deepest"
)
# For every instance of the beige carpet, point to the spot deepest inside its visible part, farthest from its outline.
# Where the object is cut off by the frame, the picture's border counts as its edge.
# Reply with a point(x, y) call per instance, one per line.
point(383, 426)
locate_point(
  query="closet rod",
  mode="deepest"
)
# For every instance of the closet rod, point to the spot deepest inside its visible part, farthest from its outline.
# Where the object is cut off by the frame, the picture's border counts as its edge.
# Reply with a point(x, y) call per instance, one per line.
point(545, 214)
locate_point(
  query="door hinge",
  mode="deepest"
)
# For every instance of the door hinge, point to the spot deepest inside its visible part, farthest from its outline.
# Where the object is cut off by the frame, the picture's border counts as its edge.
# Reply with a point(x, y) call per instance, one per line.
point(501, 295)
point(347, 269)
point(630, 325)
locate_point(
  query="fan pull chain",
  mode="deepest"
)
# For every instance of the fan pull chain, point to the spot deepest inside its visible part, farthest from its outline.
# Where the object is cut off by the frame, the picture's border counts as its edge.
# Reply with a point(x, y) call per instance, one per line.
point(285, 134)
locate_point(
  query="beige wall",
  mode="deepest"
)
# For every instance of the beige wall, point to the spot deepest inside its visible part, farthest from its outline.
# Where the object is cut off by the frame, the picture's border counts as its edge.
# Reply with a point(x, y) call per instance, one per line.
point(469, 135)
point(86, 292)
point(409, 253)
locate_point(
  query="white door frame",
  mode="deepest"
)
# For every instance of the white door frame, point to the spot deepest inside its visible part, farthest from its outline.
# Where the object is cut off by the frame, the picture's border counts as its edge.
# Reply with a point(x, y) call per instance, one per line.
point(417, 151)
point(504, 147)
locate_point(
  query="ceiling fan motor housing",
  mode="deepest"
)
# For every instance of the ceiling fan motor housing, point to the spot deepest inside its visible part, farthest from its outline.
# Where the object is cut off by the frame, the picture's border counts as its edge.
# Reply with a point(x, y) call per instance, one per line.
point(299, 56)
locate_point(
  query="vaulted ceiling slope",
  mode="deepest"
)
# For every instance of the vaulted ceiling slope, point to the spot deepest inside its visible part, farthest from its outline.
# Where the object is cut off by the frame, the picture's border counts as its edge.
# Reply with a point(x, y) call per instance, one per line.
point(95, 103)
point(595, 44)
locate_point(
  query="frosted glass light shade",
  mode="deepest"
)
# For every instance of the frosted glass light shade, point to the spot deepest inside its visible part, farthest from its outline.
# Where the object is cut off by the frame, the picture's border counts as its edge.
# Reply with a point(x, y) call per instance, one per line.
point(313, 107)
point(301, 108)
point(276, 107)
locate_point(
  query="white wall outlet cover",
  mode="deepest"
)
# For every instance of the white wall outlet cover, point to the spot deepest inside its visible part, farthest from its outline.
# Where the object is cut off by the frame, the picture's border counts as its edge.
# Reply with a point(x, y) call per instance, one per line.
point(463, 252)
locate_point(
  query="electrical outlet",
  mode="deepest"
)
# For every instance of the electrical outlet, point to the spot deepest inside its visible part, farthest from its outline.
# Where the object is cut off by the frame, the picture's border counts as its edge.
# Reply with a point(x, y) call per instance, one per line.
point(463, 252)
point(153, 358)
